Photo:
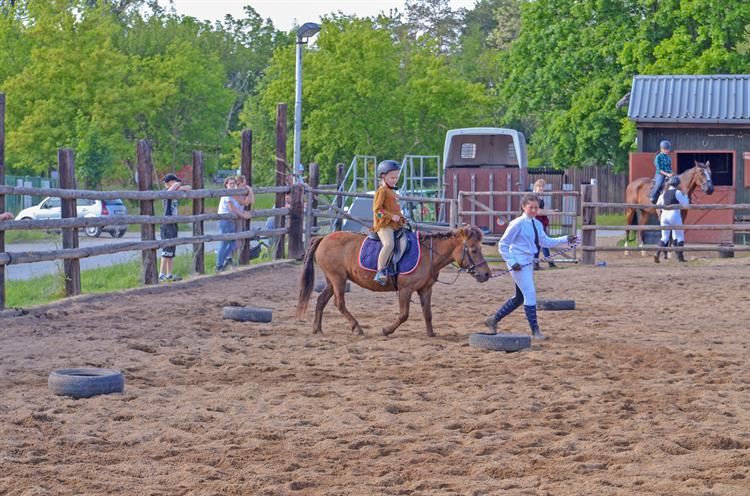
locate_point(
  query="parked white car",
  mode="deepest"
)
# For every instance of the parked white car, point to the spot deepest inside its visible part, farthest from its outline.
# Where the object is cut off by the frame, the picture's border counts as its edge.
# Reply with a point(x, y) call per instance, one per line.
point(50, 208)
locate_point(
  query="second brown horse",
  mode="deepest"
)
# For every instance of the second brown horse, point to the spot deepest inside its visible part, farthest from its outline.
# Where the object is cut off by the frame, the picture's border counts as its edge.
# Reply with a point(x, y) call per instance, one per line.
point(337, 254)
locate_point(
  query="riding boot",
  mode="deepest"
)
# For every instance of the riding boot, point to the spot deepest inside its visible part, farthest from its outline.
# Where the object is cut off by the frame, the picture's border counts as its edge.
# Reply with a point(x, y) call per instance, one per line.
point(381, 277)
point(658, 253)
point(537, 266)
point(680, 254)
point(510, 305)
point(552, 265)
point(533, 324)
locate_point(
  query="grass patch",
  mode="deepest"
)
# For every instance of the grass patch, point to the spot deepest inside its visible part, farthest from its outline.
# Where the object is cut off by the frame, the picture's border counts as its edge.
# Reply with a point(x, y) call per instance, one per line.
point(611, 219)
point(49, 288)
point(30, 236)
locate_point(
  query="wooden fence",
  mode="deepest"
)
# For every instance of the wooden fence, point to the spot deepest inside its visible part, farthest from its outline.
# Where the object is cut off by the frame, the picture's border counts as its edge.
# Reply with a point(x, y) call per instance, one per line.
point(69, 224)
point(590, 206)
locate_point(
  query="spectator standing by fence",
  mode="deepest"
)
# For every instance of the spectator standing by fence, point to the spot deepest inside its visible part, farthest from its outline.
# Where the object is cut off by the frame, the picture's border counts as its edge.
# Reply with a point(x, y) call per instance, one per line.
point(227, 205)
point(169, 231)
point(538, 190)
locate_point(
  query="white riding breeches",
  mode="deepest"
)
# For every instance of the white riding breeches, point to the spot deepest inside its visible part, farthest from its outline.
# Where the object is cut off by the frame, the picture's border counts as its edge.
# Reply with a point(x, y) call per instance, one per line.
point(524, 278)
point(672, 218)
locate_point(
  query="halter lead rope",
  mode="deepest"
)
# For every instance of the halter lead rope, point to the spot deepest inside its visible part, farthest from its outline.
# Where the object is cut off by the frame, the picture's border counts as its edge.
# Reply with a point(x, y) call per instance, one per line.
point(536, 260)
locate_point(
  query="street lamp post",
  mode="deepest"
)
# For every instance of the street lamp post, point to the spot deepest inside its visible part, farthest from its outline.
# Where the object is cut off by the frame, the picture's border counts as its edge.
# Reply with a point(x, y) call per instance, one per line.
point(304, 32)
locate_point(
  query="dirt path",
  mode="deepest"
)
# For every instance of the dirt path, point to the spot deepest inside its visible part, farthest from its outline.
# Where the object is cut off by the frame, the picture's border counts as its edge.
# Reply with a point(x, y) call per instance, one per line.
point(626, 397)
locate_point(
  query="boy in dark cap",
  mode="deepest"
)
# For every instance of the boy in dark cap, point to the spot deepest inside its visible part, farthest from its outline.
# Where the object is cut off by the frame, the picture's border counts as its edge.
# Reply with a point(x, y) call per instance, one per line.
point(169, 231)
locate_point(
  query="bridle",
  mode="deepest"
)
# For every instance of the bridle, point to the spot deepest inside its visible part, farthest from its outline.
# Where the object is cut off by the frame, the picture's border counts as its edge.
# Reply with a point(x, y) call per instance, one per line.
point(471, 270)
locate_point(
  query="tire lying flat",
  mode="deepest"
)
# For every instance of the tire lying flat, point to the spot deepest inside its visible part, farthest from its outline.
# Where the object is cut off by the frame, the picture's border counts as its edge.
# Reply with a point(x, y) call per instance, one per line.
point(247, 314)
point(500, 342)
point(556, 305)
point(85, 382)
point(321, 285)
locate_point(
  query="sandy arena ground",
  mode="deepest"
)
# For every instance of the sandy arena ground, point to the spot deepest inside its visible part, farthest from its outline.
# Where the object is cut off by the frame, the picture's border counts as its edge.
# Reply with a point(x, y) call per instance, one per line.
point(632, 394)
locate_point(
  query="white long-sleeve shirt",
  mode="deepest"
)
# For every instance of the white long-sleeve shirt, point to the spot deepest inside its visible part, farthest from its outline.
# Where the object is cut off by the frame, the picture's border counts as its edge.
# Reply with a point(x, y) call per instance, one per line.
point(517, 244)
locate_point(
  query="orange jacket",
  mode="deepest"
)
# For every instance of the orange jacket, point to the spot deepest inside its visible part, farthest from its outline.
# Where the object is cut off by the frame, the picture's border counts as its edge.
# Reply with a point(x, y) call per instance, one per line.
point(384, 207)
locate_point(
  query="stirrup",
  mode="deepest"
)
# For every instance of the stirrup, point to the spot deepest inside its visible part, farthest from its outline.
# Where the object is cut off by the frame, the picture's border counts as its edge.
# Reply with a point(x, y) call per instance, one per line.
point(380, 278)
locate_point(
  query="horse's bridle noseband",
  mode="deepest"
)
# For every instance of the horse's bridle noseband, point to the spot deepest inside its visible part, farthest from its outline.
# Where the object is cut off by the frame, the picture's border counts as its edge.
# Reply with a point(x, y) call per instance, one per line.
point(472, 269)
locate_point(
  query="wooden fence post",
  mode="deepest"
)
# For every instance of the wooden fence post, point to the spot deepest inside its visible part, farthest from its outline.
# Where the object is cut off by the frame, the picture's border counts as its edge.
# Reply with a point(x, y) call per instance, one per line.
point(145, 183)
point(280, 220)
point(312, 203)
point(2, 197)
point(246, 169)
point(72, 266)
point(199, 261)
point(339, 199)
point(588, 214)
point(454, 214)
point(296, 212)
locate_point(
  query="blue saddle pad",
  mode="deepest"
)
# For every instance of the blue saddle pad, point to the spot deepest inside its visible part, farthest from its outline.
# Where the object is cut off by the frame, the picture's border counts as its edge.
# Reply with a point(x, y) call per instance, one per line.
point(368, 254)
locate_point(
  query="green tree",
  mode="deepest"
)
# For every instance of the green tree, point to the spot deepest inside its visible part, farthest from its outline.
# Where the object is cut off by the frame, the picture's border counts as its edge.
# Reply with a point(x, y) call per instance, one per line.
point(365, 92)
point(573, 60)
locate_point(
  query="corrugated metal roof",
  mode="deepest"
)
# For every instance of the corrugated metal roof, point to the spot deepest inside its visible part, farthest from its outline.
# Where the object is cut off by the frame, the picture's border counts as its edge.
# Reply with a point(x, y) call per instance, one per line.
point(717, 99)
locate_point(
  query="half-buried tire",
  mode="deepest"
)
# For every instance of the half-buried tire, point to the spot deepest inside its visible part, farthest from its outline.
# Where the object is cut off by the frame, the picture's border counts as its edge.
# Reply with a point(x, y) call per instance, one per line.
point(556, 305)
point(247, 314)
point(85, 382)
point(321, 285)
point(500, 342)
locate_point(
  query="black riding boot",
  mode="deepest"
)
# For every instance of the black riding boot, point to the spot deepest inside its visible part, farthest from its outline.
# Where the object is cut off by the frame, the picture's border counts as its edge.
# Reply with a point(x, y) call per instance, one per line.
point(658, 253)
point(533, 324)
point(510, 305)
point(680, 254)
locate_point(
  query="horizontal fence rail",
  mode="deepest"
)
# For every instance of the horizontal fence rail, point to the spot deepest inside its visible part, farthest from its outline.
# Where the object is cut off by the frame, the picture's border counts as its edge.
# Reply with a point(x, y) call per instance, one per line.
point(78, 222)
point(192, 194)
point(8, 258)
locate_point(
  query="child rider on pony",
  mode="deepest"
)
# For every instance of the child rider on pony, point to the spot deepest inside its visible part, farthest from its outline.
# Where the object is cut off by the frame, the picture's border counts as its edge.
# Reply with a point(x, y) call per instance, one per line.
point(387, 215)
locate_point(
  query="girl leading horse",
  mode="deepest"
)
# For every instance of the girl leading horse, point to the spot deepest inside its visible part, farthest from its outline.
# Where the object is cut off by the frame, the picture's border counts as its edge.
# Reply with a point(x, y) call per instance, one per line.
point(337, 254)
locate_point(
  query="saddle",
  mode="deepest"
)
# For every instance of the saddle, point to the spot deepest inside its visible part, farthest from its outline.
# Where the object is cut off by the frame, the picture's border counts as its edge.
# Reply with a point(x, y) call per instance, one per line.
point(404, 259)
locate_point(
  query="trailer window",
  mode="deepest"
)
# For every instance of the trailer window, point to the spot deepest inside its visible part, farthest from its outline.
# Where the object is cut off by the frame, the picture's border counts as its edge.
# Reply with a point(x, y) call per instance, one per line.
point(469, 150)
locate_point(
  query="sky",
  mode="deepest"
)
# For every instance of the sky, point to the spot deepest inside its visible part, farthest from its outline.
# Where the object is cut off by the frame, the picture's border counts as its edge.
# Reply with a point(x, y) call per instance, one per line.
point(284, 13)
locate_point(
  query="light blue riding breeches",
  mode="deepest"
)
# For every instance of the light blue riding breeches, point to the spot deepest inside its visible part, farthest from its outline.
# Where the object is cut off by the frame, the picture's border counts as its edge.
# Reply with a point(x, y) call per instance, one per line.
point(524, 278)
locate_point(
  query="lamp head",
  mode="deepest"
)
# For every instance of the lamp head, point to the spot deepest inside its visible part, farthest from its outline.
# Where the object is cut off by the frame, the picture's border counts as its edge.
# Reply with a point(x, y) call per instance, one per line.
point(307, 30)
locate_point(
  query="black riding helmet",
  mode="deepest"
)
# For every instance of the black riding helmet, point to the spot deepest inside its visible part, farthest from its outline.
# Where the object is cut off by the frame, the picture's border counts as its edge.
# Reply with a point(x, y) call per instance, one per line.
point(387, 166)
point(673, 181)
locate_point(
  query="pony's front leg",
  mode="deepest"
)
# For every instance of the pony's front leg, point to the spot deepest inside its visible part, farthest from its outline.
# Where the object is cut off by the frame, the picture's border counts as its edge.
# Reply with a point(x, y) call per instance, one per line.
point(338, 294)
point(404, 300)
point(425, 296)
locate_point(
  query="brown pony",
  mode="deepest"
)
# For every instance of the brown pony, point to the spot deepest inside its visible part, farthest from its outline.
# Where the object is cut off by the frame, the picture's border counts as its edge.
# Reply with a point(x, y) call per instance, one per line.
point(338, 255)
point(638, 192)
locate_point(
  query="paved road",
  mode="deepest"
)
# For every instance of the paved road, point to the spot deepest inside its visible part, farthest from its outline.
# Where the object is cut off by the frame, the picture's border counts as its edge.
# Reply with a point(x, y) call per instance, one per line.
point(28, 271)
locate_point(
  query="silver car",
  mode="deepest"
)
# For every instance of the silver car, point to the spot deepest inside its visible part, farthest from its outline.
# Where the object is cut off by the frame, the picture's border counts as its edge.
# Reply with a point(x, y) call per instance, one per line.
point(50, 208)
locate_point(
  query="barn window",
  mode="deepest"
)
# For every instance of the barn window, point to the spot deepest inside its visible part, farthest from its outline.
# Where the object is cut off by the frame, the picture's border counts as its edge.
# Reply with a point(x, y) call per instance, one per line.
point(469, 150)
point(722, 165)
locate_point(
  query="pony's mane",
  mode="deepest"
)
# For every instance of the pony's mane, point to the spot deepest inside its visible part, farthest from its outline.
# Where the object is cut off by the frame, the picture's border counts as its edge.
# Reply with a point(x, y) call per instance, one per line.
point(471, 232)
point(436, 235)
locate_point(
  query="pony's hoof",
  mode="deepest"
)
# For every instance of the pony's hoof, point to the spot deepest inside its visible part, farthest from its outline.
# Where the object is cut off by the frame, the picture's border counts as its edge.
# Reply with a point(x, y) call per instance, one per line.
point(430, 334)
point(656, 259)
point(359, 331)
point(386, 332)
point(626, 253)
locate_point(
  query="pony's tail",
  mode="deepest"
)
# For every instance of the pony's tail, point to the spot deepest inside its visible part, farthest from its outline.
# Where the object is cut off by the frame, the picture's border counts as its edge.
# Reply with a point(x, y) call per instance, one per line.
point(307, 279)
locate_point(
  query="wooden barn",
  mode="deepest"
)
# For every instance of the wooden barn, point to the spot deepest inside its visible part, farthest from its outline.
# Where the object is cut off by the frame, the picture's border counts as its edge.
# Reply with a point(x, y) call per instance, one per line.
point(707, 118)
